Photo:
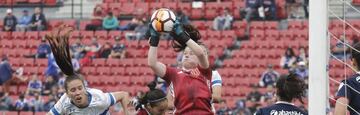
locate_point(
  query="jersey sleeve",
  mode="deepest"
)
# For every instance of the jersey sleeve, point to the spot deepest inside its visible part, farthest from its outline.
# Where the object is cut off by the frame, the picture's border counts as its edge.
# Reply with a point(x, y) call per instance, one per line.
point(170, 74)
point(343, 91)
point(216, 79)
point(110, 99)
point(206, 72)
point(58, 108)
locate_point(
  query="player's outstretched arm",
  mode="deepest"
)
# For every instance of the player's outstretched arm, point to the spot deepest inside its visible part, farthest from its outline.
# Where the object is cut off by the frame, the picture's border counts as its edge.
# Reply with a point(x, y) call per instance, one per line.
point(216, 94)
point(158, 67)
point(340, 106)
point(123, 98)
point(184, 39)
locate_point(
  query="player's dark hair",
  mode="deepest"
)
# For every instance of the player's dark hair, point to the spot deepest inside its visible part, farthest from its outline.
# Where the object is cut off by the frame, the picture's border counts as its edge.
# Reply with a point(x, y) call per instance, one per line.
point(355, 55)
point(193, 33)
point(291, 51)
point(60, 47)
point(152, 97)
point(290, 87)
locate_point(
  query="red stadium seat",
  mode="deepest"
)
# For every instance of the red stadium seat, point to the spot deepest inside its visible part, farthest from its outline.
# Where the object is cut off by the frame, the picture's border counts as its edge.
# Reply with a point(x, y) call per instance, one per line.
point(88, 70)
point(238, 5)
point(101, 34)
point(27, 62)
point(123, 80)
point(94, 80)
point(132, 71)
point(31, 35)
point(118, 70)
point(126, 62)
point(295, 25)
point(114, 34)
point(239, 25)
point(17, 35)
point(199, 24)
point(87, 34)
point(83, 24)
point(108, 1)
point(185, 8)
point(137, 80)
point(141, 62)
point(271, 25)
point(103, 70)
point(112, 62)
point(98, 62)
point(228, 34)
point(5, 35)
point(35, 1)
point(155, 5)
point(6, 43)
point(197, 13)
point(20, 43)
point(171, 5)
point(127, 8)
point(258, 25)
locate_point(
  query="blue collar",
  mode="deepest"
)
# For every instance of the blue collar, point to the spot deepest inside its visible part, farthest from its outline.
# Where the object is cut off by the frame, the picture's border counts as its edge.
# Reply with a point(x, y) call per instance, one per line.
point(89, 100)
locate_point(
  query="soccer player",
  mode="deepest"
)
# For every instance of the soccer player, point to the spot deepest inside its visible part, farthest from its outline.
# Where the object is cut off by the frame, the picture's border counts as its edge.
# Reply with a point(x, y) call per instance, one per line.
point(348, 93)
point(78, 99)
point(154, 102)
point(192, 94)
point(288, 88)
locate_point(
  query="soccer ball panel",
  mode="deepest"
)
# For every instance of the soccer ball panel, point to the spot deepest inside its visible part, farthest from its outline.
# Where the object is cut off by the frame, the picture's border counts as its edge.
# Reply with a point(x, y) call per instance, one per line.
point(162, 20)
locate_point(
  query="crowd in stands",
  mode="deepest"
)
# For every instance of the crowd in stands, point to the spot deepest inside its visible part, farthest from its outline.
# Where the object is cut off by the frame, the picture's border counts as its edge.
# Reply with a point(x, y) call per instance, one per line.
point(36, 22)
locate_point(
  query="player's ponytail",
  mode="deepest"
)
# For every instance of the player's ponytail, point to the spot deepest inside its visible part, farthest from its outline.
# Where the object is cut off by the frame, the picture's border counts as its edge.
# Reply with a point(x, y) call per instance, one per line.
point(192, 32)
point(60, 48)
point(290, 87)
point(152, 97)
point(59, 44)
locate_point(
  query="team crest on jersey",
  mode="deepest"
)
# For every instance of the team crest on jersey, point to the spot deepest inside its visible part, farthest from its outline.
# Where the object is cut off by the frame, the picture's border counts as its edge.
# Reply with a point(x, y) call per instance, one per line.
point(282, 112)
point(358, 79)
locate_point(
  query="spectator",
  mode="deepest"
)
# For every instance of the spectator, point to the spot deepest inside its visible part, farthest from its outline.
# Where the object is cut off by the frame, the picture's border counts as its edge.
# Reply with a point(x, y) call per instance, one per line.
point(38, 21)
point(53, 69)
point(78, 49)
point(7, 72)
point(224, 109)
point(240, 108)
point(292, 7)
point(50, 103)
point(110, 22)
point(268, 95)
point(96, 44)
point(254, 95)
point(302, 71)
point(5, 102)
point(269, 77)
point(118, 50)
point(22, 104)
point(269, 9)
point(106, 50)
point(34, 85)
point(139, 16)
point(302, 55)
point(223, 21)
point(182, 17)
point(288, 59)
point(140, 31)
point(75, 64)
point(37, 103)
point(10, 21)
point(250, 13)
point(96, 19)
point(49, 83)
point(43, 49)
point(24, 22)
point(340, 48)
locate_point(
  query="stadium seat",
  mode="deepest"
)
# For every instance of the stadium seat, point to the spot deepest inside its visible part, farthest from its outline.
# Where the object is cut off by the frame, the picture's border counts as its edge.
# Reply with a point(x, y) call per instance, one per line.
point(94, 80)
point(88, 70)
point(228, 34)
point(132, 71)
point(87, 34)
point(272, 25)
point(17, 35)
point(114, 34)
point(197, 13)
point(171, 5)
point(98, 62)
point(126, 62)
point(6, 43)
point(127, 8)
point(31, 35)
point(20, 43)
point(33, 43)
point(155, 5)
point(199, 25)
point(123, 80)
point(35, 1)
point(185, 8)
point(83, 24)
point(103, 70)
point(118, 70)
point(257, 25)
point(141, 62)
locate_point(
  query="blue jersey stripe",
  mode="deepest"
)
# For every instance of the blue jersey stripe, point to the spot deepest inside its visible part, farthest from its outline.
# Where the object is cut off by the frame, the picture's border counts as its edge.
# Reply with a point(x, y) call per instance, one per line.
point(105, 112)
point(112, 100)
point(216, 82)
point(54, 111)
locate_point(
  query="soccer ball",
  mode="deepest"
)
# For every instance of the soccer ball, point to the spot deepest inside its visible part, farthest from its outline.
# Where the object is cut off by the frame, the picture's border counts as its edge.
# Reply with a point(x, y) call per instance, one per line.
point(162, 20)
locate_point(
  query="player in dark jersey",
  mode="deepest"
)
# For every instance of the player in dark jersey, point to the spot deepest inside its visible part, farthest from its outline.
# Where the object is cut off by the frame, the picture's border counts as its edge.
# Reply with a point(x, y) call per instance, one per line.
point(288, 88)
point(154, 102)
point(349, 89)
point(192, 95)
